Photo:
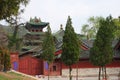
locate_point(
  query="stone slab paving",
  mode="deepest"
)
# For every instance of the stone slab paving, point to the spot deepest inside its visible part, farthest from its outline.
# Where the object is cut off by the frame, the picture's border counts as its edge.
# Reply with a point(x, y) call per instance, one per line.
point(90, 71)
point(80, 78)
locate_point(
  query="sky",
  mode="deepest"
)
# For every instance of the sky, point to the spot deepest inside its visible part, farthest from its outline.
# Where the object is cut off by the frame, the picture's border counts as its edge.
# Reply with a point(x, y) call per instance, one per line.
point(56, 12)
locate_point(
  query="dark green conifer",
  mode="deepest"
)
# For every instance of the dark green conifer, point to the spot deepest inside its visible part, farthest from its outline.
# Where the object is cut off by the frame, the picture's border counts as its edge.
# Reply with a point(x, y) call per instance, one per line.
point(70, 48)
point(102, 52)
point(48, 48)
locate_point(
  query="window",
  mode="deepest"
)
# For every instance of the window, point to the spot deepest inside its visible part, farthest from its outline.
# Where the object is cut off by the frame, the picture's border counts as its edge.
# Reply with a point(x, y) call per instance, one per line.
point(33, 30)
point(54, 68)
point(36, 30)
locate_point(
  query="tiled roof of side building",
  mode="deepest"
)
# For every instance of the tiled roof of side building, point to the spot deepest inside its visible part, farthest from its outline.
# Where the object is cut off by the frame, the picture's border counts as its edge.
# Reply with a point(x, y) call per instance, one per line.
point(86, 43)
point(89, 43)
point(83, 53)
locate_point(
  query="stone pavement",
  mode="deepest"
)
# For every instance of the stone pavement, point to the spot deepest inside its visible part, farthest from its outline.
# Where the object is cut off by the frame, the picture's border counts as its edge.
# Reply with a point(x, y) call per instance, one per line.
point(80, 78)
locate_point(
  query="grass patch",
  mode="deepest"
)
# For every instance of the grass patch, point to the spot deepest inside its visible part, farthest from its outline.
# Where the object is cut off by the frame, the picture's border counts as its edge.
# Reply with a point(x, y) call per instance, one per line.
point(13, 76)
point(3, 78)
point(12, 73)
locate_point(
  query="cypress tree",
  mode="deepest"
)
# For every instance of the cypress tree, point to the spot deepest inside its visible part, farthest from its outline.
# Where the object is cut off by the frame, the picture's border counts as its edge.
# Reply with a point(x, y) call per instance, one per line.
point(102, 52)
point(48, 48)
point(70, 47)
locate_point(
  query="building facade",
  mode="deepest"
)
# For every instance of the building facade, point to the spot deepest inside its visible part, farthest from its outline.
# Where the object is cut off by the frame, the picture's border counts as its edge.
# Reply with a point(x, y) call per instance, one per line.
point(29, 61)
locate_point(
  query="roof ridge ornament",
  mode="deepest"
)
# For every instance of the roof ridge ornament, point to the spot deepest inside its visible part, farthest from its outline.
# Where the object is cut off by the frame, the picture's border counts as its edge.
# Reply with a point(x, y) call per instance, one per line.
point(35, 20)
point(61, 27)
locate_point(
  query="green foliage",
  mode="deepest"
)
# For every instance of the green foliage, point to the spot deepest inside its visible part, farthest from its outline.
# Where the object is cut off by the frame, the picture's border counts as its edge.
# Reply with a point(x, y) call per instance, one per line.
point(85, 29)
point(4, 59)
point(102, 52)
point(9, 10)
point(11, 41)
point(10, 7)
point(1, 57)
point(117, 30)
point(14, 43)
point(7, 63)
point(70, 48)
point(14, 37)
point(3, 77)
point(48, 47)
point(90, 29)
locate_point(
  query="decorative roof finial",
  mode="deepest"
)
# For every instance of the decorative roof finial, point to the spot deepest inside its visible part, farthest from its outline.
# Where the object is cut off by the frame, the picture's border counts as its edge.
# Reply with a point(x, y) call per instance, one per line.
point(36, 20)
point(61, 27)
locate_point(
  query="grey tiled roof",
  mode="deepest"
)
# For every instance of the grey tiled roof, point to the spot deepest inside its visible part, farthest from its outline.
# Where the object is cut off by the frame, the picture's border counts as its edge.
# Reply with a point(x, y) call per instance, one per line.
point(89, 44)
point(83, 53)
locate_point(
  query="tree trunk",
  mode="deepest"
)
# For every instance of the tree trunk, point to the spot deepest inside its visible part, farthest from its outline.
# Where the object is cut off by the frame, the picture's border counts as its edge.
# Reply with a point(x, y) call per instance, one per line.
point(48, 71)
point(105, 72)
point(15, 31)
point(15, 35)
point(70, 76)
point(76, 71)
point(99, 73)
point(102, 73)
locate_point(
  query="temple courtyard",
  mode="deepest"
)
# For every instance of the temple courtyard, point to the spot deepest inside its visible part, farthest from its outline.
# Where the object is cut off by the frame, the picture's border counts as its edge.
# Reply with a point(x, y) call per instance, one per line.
point(80, 78)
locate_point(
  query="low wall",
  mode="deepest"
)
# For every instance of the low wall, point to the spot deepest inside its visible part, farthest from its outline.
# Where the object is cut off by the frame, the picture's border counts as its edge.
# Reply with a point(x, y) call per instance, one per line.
point(91, 71)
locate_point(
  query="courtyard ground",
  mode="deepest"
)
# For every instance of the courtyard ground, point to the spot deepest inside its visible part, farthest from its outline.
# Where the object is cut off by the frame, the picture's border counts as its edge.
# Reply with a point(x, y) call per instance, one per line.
point(113, 77)
point(14, 76)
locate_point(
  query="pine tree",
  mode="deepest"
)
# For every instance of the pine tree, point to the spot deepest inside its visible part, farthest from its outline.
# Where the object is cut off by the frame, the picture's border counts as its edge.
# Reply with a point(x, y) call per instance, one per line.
point(102, 52)
point(48, 48)
point(70, 48)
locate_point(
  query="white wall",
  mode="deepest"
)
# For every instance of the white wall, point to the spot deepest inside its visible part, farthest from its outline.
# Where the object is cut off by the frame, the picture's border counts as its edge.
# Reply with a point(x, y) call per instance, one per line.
point(91, 71)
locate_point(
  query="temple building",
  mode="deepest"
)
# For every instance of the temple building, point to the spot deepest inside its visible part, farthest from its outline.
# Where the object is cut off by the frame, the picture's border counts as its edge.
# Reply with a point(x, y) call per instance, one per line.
point(32, 40)
point(28, 61)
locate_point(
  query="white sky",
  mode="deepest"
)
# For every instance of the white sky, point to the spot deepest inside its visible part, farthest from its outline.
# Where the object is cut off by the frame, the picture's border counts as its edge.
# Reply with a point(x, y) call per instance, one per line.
point(56, 11)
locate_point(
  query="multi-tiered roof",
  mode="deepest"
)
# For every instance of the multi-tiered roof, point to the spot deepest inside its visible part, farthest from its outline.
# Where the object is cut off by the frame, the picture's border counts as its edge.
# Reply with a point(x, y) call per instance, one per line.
point(34, 37)
point(36, 25)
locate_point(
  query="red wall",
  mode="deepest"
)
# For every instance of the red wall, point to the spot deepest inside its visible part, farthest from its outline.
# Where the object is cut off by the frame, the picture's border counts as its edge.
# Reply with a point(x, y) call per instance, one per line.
point(55, 69)
point(87, 64)
point(115, 63)
point(81, 64)
point(34, 66)
point(30, 65)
